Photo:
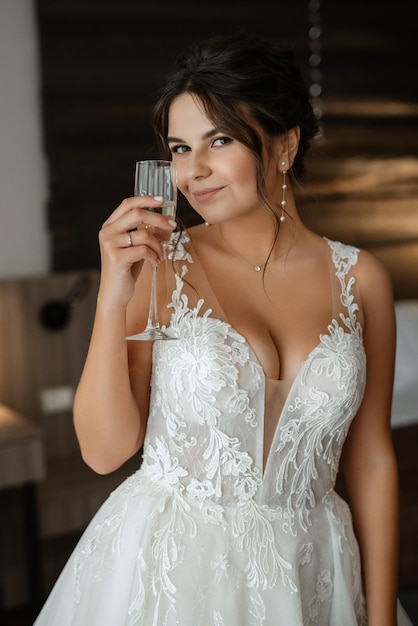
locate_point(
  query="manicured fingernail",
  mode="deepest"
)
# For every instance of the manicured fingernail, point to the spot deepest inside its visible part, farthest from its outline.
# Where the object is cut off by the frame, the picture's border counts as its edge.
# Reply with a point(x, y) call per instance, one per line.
point(172, 223)
point(158, 198)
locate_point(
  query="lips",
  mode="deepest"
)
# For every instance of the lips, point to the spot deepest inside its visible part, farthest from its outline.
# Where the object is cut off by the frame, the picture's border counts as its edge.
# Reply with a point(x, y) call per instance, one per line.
point(203, 195)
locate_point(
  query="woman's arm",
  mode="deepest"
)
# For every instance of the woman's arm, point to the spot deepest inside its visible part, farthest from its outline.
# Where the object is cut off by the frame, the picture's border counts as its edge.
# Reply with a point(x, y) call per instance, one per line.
point(110, 410)
point(368, 462)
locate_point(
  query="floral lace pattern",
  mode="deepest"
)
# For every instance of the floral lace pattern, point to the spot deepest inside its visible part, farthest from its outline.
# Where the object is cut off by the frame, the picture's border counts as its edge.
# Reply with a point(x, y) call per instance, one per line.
point(214, 515)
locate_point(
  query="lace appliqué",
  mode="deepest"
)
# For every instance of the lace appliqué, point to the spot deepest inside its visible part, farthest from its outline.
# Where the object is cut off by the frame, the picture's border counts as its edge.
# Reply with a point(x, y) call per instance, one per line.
point(330, 384)
point(176, 247)
point(324, 588)
point(213, 383)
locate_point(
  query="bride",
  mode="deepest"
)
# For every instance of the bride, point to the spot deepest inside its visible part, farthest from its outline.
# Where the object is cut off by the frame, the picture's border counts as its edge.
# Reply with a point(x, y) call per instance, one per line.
point(280, 374)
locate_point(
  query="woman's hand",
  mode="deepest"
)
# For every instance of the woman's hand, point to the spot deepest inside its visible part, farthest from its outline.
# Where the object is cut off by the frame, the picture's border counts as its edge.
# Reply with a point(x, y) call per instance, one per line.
point(126, 241)
point(110, 416)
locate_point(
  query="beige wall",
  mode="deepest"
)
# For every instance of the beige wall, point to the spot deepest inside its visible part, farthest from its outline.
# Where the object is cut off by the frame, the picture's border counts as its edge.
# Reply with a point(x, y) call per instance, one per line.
point(24, 242)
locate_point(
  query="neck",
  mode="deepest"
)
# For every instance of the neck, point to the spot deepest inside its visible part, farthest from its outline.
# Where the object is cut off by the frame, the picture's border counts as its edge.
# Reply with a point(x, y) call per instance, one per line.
point(252, 238)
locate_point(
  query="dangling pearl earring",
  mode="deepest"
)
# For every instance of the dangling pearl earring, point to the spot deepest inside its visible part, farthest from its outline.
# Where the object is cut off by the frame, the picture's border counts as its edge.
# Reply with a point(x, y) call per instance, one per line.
point(284, 187)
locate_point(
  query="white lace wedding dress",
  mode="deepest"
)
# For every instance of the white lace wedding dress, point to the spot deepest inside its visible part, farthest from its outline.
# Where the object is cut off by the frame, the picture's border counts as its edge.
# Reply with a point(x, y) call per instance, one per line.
point(206, 532)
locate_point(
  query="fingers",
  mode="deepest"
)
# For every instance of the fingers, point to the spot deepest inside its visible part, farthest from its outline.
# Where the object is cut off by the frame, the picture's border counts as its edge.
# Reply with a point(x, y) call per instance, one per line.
point(134, 213)
point(126, 247)
point(142, 243)
point(134, 231)
point(131, 203)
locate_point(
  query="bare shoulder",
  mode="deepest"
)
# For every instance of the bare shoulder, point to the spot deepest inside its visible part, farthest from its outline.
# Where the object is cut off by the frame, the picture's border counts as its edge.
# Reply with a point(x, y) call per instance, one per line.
point(373, 276)
point(376, 290)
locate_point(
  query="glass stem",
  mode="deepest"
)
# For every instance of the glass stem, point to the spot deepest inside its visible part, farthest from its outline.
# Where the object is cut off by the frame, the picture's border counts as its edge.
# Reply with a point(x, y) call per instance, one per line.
point(153, 311)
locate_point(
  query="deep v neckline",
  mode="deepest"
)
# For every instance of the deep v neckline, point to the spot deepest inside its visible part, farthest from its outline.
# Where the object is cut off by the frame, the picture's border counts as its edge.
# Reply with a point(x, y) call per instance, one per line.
point(265, 452)
point(281, 422)
point(279, 425)
point(225, 320)
point(204, 310)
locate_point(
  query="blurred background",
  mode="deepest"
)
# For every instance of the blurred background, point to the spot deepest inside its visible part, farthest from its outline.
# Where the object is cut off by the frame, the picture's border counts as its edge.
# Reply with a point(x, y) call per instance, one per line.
point(78, 82)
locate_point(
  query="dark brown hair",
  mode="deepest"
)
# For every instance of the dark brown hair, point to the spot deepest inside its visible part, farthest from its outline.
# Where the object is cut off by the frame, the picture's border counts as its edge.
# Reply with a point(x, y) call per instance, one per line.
point(240, 79)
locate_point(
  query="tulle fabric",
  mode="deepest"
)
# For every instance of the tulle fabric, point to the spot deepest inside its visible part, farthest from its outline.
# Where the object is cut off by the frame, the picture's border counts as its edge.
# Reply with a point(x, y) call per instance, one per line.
point(104, 587)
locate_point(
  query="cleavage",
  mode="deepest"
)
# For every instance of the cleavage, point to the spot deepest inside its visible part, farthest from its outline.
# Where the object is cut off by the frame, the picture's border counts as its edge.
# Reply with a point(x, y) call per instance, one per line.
point(281, 343)
point(281, 320)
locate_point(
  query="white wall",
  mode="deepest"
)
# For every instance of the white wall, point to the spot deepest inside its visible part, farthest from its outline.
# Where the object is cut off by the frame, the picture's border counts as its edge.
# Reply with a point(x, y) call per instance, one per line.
point(24, 241)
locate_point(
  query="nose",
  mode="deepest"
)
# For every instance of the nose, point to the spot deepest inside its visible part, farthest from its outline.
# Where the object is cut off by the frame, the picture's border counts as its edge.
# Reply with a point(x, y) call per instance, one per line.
point(198, 165)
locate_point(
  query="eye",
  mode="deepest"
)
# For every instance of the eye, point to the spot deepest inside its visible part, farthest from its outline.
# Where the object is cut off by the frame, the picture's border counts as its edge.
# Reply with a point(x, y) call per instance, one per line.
point(221, 141)
point(179, 149)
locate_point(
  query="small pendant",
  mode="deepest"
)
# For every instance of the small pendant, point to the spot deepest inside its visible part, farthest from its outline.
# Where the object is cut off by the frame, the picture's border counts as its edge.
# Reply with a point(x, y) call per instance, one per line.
point(257, 268)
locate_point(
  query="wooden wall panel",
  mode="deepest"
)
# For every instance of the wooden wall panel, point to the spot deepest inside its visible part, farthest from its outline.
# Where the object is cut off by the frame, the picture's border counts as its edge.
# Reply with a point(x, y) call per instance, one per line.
point(101, 66)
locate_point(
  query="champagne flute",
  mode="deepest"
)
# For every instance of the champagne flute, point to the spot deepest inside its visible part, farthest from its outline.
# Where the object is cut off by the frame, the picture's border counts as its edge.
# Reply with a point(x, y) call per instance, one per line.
point(156, 177)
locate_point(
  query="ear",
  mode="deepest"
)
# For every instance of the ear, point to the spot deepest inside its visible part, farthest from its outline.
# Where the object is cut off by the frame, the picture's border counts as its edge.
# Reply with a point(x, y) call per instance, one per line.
point(287, 146)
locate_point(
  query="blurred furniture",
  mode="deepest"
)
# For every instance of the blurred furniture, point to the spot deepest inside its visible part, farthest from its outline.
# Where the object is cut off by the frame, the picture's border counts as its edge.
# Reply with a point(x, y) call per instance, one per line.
point(37, 358)
point(22, 466)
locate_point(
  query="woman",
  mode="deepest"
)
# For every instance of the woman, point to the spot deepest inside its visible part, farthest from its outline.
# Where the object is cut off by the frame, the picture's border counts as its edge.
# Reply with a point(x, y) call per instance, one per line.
point(283, 359)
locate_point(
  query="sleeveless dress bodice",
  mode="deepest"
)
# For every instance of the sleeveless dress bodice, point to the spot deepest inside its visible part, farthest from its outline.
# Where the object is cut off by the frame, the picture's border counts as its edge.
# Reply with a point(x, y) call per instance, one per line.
point(211, 530)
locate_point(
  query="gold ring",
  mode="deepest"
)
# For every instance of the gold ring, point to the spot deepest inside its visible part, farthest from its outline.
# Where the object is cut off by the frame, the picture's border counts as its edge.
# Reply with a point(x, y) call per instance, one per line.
point(129, 239)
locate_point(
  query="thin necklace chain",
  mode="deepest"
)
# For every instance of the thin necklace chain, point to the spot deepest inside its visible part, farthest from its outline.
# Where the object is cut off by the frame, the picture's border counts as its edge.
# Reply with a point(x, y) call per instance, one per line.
point(258, 268)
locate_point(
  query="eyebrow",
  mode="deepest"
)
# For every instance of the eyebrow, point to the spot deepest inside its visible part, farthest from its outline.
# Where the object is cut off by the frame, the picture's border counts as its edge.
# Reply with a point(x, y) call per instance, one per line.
point(207, 135)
